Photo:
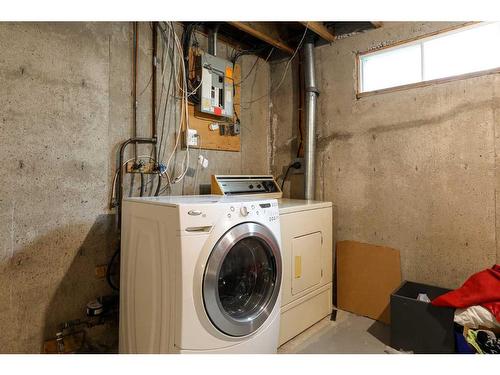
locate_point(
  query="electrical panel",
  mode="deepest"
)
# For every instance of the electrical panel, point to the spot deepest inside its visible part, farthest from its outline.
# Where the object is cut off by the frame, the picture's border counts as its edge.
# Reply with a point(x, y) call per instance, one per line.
point(216, 90)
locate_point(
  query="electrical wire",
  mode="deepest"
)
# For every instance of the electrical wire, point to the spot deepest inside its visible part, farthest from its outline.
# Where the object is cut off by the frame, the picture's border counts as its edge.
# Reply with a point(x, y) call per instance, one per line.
point(238, 53)
point(146, 87)
point(169, 41)
point(109, 279)
point(285, 177)
point(158, 186)
point(175, 78)
point(287, 66)
point(174, 50)
point(181, 84)
point(165, 52)
point(112, 204)
point(235, 84)
point(170, 45)
point(163, 116)
point(198, 164)
point(185, 75)
point(252, 68)
point(187, 35)
point(294, 165)
point(142, 185)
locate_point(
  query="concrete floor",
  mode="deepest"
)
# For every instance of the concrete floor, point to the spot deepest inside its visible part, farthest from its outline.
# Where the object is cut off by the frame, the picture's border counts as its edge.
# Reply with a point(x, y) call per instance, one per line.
point(349, 334)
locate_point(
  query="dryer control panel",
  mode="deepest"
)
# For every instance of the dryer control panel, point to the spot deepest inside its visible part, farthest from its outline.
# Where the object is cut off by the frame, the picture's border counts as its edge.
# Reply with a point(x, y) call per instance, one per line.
point(241, 185)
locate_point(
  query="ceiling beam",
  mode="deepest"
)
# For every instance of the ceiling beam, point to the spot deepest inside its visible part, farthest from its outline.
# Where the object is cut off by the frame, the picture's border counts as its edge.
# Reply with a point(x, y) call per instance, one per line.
point(265, 31)
point(376, 24)
point(319, 29)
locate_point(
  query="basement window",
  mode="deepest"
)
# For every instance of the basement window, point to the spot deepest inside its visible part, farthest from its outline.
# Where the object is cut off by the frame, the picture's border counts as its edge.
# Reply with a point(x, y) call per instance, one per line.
point(461, 53)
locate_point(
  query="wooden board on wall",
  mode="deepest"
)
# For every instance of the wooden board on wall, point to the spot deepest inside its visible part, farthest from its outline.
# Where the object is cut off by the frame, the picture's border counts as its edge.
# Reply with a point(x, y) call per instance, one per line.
point(212, 139)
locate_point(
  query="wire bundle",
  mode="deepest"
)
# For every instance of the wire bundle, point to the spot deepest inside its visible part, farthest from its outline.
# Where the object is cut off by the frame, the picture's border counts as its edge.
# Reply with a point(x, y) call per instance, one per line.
point(175, 87)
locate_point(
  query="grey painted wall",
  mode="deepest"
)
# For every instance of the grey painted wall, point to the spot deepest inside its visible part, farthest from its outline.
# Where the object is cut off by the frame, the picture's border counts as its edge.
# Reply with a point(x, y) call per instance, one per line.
point(414, 169)
point(65, 104)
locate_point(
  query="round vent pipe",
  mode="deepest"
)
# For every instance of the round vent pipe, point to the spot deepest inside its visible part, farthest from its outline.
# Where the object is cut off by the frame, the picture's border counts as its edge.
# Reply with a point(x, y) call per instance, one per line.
point(311, 95)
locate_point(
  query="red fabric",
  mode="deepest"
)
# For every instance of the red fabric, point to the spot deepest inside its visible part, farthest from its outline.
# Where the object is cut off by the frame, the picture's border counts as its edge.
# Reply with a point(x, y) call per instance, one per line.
point(482, 288)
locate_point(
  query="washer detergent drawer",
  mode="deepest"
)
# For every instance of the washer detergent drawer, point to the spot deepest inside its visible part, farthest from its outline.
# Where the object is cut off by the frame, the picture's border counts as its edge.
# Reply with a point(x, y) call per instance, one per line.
point(306, 262)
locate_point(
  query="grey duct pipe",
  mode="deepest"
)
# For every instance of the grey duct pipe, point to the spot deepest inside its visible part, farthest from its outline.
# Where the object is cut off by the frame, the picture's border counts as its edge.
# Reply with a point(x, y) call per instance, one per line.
point(311, 95)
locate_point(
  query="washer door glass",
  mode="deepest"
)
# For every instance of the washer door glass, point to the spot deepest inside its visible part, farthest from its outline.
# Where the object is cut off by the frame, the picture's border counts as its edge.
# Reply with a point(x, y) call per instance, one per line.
point(242, 279)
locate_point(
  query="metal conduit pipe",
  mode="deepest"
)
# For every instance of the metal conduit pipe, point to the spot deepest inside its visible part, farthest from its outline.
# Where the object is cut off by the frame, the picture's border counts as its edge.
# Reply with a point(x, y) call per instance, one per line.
point(212, 40)
point(311, 95)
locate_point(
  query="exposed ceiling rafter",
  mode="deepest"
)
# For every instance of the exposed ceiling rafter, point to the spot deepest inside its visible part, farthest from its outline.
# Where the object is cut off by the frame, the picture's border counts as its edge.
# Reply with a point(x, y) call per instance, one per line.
point(265, 31)
point(319, 29)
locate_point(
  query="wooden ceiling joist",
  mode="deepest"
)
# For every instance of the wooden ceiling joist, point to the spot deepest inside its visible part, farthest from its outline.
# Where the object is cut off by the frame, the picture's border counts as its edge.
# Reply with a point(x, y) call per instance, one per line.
point(319, 29)
point(265, 31)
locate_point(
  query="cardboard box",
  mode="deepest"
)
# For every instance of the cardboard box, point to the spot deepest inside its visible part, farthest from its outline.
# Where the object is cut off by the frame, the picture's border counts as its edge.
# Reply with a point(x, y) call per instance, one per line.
point(366, 277)
point(420, 326)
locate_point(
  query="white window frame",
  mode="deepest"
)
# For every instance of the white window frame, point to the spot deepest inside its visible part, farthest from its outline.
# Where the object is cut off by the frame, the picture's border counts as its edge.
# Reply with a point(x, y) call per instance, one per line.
point(417, 40)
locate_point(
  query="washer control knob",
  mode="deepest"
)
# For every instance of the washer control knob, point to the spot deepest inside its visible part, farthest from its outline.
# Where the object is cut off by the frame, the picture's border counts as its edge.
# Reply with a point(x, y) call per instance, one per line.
point(243, 211)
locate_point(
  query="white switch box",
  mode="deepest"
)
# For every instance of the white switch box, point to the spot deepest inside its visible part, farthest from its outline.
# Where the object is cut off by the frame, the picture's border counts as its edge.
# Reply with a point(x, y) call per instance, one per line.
point(191, 137)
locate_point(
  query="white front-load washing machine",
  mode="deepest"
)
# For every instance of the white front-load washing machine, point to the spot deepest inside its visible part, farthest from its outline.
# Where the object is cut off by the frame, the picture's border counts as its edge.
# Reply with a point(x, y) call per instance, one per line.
point(306, 250)
point(200, 274)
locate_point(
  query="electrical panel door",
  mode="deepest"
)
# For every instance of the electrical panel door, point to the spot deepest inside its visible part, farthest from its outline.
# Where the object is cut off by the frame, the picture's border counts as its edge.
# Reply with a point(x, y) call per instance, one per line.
point(216, 85)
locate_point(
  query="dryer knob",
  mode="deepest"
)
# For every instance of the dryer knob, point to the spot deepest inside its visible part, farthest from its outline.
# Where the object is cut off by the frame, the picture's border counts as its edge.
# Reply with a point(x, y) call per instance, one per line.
point(243, 211)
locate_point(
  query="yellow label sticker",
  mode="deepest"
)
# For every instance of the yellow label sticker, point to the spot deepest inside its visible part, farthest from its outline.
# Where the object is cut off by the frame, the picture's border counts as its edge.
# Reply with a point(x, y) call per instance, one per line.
point(229, 72)
point(298, 267)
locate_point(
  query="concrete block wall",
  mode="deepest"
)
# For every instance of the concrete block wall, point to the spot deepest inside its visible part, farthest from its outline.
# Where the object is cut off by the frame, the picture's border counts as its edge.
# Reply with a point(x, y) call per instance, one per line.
point(65, 106)
point(415, 169)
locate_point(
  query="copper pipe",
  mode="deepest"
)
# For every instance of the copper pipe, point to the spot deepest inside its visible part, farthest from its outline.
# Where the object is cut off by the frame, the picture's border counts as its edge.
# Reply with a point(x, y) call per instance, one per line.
point(134, 85)
point(153, 89)
point(119, 189)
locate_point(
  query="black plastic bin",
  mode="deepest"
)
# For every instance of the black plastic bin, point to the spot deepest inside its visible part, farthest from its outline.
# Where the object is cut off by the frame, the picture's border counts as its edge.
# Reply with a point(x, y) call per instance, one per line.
point(420, 326)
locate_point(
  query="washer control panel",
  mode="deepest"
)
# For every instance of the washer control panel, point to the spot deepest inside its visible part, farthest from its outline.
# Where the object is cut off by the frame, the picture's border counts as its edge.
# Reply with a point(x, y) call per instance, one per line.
point(266, 209)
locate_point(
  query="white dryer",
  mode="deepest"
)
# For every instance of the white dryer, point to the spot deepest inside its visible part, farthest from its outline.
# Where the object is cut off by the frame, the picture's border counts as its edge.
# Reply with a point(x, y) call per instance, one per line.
point(200, 274)
point(307, 252)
